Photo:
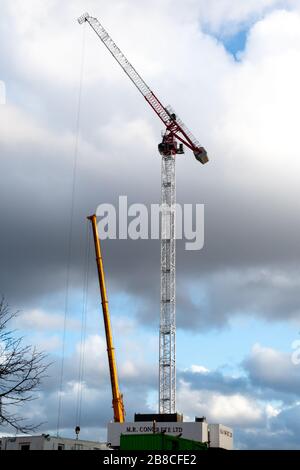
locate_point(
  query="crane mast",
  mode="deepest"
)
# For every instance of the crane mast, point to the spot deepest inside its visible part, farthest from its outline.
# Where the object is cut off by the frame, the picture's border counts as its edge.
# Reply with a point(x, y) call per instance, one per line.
point(167, 329)
point(117, 401)
point(175, 131)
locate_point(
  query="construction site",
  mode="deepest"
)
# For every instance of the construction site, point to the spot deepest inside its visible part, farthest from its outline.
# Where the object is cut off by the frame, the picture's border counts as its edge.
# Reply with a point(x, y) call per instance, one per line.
point(149, 201)
point(166, 429)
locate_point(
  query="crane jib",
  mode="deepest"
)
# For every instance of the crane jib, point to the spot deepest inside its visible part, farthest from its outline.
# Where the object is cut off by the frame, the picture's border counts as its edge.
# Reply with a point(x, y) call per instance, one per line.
point(169, 119)
point(166, 114)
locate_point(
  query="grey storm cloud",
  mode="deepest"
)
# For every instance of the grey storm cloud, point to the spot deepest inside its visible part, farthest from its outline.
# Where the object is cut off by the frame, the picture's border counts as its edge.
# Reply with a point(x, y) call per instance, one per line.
point(96, 397)
point(248, 219)
point(269, 369)
point(267, 374)
point(282, 433)
point(216, 381)
point(97, 411)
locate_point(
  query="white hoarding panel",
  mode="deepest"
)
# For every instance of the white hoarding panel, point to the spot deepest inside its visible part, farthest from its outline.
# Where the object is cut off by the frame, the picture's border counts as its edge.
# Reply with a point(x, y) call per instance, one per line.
point(197, 431)
point(220, 436)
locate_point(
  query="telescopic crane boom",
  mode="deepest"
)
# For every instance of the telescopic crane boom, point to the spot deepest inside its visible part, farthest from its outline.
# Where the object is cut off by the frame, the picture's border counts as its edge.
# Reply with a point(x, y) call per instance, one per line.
point(117, 401)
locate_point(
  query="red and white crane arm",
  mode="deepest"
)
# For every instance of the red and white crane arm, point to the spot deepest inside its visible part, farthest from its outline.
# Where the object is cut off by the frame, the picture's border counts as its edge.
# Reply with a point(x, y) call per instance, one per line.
point(170, 119)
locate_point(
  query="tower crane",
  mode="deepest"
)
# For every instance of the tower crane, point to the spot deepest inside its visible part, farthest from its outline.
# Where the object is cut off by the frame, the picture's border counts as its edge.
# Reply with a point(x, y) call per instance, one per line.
point(117, 401)
point(175, 137)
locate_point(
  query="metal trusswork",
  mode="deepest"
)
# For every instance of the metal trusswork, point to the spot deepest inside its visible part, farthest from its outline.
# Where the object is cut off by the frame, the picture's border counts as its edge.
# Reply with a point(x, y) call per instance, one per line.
point(167, 331)
point(175, 131)
point(176, 126)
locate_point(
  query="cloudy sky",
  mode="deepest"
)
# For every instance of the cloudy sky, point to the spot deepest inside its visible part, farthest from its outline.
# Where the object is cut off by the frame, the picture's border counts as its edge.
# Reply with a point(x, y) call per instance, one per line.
point(232, 70)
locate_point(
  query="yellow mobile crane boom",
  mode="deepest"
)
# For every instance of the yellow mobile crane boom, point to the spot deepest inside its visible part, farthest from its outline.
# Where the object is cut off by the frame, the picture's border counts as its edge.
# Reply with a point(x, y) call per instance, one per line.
point(117, 401)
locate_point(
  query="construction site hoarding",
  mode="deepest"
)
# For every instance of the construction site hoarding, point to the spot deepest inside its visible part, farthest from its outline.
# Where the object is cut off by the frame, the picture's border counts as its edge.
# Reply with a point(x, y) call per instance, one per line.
point(188, 430)
point(220, 436)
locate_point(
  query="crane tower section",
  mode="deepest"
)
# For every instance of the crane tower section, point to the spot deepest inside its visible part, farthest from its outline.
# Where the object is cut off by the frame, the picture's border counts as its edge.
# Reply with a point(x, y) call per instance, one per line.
point(168, 149)
point(167, 330)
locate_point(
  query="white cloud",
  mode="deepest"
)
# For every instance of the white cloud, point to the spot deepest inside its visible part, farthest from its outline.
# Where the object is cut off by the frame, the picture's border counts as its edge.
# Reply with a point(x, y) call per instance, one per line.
point(268, 367)
point(47, 343)
point(198, 369)
point(231, 410)
point(133, 367)
point(259, 124)
point(129, 369)
point(17, 127)
point(95, 347)
point(272, 411)
point(235, 409)
point(225, 15)
point(275, 36)
point(37, 320)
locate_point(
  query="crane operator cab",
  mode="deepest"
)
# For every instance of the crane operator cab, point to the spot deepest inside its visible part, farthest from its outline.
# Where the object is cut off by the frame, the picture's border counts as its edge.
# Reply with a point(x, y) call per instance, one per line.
point(169, 146)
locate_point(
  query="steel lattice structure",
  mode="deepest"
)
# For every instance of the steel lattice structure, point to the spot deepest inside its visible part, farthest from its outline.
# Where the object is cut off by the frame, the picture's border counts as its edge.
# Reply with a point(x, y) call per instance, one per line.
point(167, 331)
point(175, 131)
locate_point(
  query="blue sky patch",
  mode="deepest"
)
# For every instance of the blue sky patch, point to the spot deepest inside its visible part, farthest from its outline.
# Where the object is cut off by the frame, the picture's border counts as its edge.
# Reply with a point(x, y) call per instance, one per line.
point(233, 39)
point(236, 43)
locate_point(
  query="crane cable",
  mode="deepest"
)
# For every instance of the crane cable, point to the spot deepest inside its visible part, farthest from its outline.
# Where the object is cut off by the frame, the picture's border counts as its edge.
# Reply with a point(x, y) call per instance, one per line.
point(80, 382)
point(70, 235)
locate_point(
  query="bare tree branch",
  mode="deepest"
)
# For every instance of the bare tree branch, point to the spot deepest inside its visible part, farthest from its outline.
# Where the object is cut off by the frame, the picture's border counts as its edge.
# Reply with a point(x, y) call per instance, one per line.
point(22, 369)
